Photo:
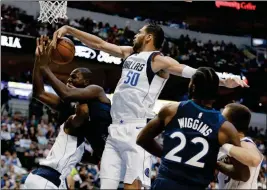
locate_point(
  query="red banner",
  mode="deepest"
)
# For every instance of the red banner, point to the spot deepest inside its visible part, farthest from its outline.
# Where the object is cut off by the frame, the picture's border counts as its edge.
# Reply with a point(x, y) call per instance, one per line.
point(237, 5)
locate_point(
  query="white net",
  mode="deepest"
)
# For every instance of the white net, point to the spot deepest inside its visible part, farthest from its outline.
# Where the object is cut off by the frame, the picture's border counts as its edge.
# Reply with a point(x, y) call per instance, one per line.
point(51, 11)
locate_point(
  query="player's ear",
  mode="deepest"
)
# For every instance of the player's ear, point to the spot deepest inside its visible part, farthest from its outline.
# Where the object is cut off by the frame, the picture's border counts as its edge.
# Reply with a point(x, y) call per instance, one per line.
point(149, 37)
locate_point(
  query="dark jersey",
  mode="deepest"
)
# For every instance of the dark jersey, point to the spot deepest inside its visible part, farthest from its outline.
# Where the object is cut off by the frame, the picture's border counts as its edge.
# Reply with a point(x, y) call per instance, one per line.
point(191, 146)
point(95, 129)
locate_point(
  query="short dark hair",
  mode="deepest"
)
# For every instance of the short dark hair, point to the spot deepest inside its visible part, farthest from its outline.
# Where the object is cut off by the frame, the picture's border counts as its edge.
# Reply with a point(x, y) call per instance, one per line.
point(204, 84)
point(85, 72)
point(157, 32)
point(239, 115)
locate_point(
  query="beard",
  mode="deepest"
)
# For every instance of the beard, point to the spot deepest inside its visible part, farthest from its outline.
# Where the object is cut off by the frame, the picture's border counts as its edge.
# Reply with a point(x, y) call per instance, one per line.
point(137, 46)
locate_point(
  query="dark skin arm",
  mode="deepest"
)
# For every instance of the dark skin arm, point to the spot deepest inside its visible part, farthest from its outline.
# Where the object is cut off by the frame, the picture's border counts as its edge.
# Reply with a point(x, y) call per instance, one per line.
point(236, 170)
point(76, 120)
point(39, 92)
point(71, 94)
point(146, 137)
point(68, 93)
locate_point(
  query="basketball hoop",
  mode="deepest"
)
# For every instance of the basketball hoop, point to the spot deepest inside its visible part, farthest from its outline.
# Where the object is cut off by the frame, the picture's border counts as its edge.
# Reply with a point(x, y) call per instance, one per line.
point(51, 11)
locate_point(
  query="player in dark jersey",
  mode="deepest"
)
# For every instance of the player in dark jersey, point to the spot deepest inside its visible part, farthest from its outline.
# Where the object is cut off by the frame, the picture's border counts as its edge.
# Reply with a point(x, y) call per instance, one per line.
point(77, 89)
point(193, 134)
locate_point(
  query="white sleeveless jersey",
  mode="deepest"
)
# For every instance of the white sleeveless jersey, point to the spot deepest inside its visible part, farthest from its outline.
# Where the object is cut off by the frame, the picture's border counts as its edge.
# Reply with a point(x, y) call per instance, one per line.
point(66, 152)
point(227, 183)
point(138, 88)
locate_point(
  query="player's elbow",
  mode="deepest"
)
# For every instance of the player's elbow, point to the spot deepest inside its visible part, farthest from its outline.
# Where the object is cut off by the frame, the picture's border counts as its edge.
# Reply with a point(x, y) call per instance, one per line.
point(255, 161)
point(245, 175)
point(140, 141)
point(66, 96)
point(39, 95)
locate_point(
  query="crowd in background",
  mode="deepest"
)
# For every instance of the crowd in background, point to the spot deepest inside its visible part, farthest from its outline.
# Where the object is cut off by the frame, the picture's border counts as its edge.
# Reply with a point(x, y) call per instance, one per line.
point(24, 141)
point(222, 56)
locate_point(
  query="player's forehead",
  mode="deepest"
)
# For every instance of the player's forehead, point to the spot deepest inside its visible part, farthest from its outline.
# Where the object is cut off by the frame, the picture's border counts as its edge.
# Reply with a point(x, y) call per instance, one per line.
point(75, 72)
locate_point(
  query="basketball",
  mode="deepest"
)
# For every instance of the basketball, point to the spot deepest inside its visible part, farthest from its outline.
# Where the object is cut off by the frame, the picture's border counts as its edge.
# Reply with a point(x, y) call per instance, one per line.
point(64, 51)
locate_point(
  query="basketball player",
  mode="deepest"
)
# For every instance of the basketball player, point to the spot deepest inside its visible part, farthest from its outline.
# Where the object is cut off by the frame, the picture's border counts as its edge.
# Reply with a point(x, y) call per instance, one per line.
point(193, 134)
point(144, 74)
point(98, 103)
point(91, 119)
point(249, 155)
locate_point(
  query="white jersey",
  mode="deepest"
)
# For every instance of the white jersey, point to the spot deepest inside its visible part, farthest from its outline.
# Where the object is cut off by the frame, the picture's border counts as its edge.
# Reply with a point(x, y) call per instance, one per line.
point(66, 152)
point(227, 183)
point(138, 88)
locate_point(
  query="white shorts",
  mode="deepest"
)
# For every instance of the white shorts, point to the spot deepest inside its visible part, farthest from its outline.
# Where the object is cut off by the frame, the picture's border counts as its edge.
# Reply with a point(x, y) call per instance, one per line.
point(122, 158)
point(38, 182)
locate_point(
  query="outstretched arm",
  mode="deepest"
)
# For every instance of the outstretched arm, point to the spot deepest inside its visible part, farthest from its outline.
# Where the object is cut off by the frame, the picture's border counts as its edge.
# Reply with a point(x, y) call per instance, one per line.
point(39, 92)
point(172, 66)
point(93, 41)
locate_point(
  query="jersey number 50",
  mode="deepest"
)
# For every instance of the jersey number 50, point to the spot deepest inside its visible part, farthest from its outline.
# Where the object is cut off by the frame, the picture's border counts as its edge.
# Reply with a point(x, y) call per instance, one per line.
point(132, 78)
point(194, 161)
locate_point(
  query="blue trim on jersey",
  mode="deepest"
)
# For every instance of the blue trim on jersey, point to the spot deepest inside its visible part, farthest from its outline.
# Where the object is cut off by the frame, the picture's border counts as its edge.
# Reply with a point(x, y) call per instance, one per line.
point(48, 173)
point(105, 107)
point(203, 109)
point(149, 72)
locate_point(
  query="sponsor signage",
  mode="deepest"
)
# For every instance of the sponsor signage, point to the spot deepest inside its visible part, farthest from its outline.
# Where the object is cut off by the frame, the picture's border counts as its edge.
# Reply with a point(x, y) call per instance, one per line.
point(100, 56)
point(10, 41)
point(26, 44)
point(243, 5)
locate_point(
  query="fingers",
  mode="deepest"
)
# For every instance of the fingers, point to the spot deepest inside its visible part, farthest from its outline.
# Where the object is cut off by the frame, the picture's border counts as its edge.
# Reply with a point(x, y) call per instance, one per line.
point(245, 84)
point(56, 35)
point(37, 41)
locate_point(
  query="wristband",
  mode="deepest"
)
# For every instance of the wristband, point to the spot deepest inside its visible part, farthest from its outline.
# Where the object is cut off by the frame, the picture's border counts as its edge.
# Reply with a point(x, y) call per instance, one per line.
point(188, 72)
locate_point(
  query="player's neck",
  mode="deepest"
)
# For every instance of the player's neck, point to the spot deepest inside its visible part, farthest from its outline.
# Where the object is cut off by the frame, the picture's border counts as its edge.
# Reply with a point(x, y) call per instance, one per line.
point(148, 48)
point(204, 103)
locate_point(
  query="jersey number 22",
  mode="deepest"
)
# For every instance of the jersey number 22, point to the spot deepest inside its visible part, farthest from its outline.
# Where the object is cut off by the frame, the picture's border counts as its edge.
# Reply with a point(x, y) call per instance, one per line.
point(132, 78)
point(194, 161)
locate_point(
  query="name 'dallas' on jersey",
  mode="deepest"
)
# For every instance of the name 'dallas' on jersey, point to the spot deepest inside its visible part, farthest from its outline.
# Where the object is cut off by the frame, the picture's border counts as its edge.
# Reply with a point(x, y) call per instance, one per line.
point(138, 88)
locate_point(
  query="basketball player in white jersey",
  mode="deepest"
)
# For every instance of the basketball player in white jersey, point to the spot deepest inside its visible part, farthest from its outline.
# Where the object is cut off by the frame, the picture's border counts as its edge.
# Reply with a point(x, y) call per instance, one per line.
point(144, 74)
point(247, 154)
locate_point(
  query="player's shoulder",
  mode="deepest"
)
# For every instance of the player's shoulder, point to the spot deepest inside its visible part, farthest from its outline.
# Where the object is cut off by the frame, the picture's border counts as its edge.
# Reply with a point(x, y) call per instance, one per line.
point(126, 51)
point(169, 110)
point(95, 88)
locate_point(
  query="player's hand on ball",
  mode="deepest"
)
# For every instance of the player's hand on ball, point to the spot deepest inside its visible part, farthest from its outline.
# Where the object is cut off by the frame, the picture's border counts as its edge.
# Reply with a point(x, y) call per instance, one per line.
point(58, 34)
point(233, 82)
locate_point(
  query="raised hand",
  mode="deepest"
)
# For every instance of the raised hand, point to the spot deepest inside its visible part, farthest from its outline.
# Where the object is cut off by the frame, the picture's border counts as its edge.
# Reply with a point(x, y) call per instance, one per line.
point(39, 42)
point(43, 51)
point(58, 34)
